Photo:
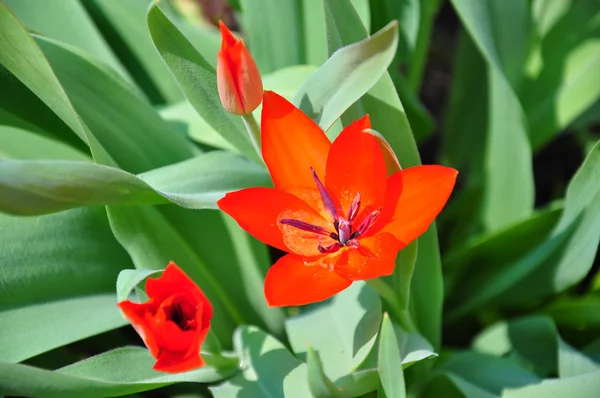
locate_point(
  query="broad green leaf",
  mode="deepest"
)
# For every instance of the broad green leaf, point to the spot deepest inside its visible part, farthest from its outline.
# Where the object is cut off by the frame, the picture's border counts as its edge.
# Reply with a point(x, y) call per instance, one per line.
point(315, 36)
point(413, 347)
point(358, 383)
point(183, 117)
point(567, 81)
point(124, 22)
point(346, 76)
point(388, 117)
point(573, 363)
point(390, 361)
point(23, 337)
point(535, 341)
point(59, 255)
point(576, 313)
point(128, 279)
point(546, 13)
point(268, 369)
point(197, 79)
point(38, 187)
point(463, 264)
point(75, 28)
point(319, 384)
point(451, 386)
point(126, 126)
point(583, 386)
point(16, 143)
point(485, 372)
point(17, 48)
point(509, 188)
point(120, 372)
point(274, 30)
point(342, 330)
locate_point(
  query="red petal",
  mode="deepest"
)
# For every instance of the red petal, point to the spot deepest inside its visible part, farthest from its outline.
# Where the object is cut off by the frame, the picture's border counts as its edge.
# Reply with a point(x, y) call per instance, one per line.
point(425, 191)
point(227, 84)
point(291, 282)
point(258, 210)
point(135, 313)
point(291, 143)
point(172, 363)
point(172, 281)
point(227, 38)
point(355, 164)
point(374, 257)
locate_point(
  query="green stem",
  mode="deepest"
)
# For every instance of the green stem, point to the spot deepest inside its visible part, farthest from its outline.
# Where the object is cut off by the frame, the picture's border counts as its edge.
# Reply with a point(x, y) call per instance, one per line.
point(253, 131)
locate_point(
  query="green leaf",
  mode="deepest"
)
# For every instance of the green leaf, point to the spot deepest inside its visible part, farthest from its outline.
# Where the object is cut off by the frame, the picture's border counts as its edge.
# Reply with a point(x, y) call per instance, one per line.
point(55, 256)
point(268, 369)
point(488, 374)
point(346, 76)
point(390, 361)
point(62, 320)
point(576, 313)
point(274, 32)
point(509, 187)
point(128, 279)
point(197, 79)
point(120, 372)
point(123, 123)
point(39, 187)
point(573, 363)
point(76, 28)
point(413, 347)
point(344, 27)
point(320, 386)
point(565, 80)
point(124, 23)
point(16, 143)
point(583, 386)
point(342, 330)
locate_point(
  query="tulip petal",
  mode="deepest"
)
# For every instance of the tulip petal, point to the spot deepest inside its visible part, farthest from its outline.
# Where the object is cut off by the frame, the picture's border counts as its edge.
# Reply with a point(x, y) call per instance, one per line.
point(258, 211)
point(374, 257)
point(135, 313)
point(291, 282)
point(172, 281)
point(170, 363)
point(356, 165)
point(425, 191)
point(227, 38)
point(291, 143)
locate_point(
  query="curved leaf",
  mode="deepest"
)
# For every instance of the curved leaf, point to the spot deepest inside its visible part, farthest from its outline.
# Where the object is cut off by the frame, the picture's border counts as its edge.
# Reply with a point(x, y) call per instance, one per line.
point(120, 372)
point(346, 76)
point(342, 330)
point(40, 187)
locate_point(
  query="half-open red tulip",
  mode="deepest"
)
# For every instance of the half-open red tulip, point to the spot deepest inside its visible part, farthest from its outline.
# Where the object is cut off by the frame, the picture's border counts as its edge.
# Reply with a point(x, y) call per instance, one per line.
point(333, 208)
point(174, 322)
point(238, 79)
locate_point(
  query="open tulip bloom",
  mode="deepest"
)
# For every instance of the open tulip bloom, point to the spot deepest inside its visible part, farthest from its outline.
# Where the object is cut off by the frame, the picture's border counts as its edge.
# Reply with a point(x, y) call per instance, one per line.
point(333, 209)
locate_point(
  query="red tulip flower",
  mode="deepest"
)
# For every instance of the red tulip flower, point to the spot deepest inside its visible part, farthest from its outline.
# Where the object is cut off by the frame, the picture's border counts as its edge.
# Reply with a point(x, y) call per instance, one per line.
point(174, 322)
point(238, 79)
point(333, 208)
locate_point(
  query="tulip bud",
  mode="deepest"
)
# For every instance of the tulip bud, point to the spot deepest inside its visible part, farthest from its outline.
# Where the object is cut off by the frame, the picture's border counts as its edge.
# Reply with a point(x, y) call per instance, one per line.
point(238, 79)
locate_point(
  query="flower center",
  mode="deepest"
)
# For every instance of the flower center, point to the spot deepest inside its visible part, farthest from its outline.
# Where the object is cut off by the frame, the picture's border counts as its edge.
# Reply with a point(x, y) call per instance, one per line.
point(178, 315)
point(345, 233)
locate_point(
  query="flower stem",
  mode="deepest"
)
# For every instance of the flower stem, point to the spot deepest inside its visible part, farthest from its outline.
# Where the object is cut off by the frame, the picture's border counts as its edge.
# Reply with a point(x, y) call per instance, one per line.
point(389, 295)
point(253, 131)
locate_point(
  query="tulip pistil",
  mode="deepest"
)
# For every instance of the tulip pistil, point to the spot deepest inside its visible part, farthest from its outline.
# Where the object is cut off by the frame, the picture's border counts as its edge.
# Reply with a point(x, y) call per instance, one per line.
point(345, 234)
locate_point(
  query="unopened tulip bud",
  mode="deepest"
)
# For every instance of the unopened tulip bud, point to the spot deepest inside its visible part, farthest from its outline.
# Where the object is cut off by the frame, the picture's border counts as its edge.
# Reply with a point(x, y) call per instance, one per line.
point(238, 79)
